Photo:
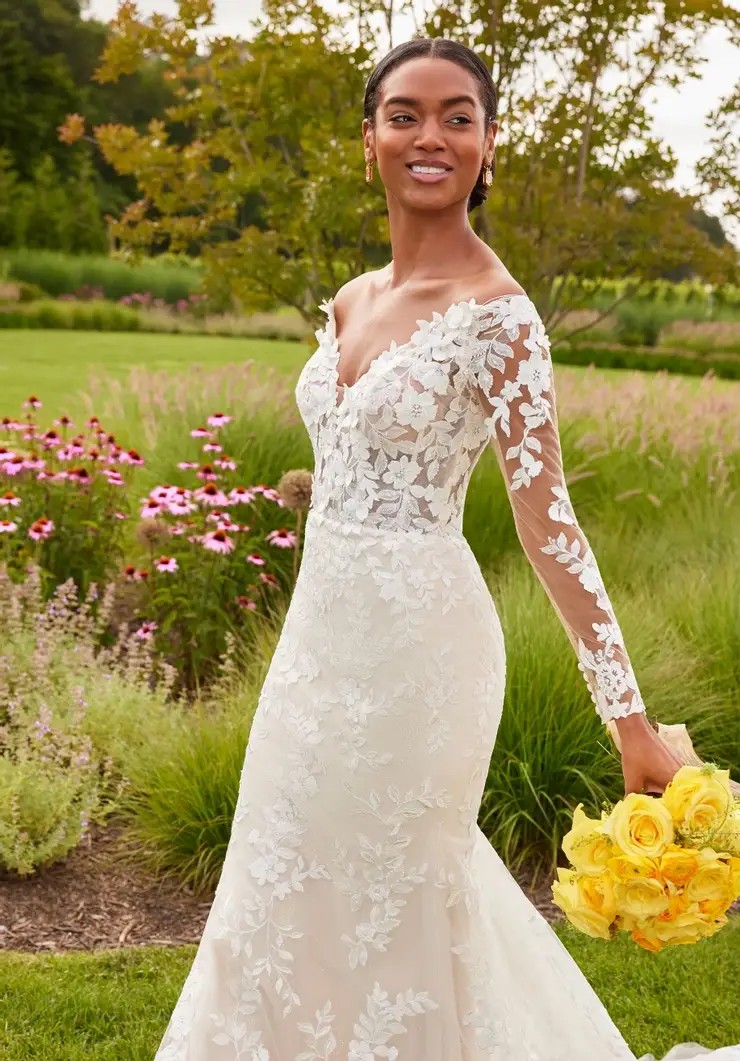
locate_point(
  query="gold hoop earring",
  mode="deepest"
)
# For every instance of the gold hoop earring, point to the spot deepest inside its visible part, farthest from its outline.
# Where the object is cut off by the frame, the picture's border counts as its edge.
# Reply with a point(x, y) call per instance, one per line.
point(368, 171)
point(488, 175)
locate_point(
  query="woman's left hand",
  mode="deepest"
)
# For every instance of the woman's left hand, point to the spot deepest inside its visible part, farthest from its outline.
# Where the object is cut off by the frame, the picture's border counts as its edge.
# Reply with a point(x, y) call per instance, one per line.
point(648, 763)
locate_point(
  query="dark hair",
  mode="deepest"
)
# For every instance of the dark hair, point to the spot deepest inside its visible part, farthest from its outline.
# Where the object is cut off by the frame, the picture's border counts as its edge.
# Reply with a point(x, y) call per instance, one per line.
point(439, 48)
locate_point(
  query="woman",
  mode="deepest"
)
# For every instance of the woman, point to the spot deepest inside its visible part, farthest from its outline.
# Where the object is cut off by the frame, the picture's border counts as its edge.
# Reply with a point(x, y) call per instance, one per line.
point(361, 912)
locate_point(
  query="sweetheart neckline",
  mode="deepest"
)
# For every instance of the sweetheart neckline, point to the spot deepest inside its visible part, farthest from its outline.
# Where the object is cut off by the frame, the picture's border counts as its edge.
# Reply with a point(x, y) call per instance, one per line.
point(393, 346)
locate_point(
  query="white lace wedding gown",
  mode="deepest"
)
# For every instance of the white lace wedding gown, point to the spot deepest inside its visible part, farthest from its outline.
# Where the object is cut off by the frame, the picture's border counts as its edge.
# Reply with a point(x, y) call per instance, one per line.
point(361, 912)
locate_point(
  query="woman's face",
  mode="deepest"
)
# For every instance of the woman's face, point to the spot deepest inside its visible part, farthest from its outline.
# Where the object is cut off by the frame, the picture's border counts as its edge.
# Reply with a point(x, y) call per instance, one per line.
point(429, 116)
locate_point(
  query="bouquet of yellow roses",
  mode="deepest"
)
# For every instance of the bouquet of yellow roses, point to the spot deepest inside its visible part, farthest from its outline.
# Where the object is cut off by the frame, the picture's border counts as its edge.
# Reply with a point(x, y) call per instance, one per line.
point(665, 869)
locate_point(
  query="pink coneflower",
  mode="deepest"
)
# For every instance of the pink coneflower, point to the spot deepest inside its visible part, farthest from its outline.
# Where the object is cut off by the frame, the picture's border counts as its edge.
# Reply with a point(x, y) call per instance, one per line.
point(120, 515)
point(161, 494)
point(212, 447)
point(166, 563)
point(219, 419)
point(131, 456)
point(41, 529)
point(93, 453)
point(93, 421)
point(32, 403)
point(218, 542)
point(6, 454)
point(211, 495)
point(146, 630)
point(64, 421)
point(186, 466)
point(141, 576)
point(70, 451)
point(51, 439)
point(268, 578)
point(207, 473)
point(255, 558)
point(246, 602)
point(130, 572)
point(14, 466)
point(79, 475)
point(217, 515)
point(151, 508)
point(239, 495)
point(284, 539)
point(225, 462)
point(34, 463)
point(9, 498)
point(114, 477)
point(201, 432)
point(7, 526)
point(11, 424)
point(180, 506)
point(57, 477)
point(272, 495)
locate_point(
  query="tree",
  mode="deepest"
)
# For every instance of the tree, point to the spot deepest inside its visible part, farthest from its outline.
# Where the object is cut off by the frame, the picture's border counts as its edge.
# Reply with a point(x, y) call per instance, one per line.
point(582, 184)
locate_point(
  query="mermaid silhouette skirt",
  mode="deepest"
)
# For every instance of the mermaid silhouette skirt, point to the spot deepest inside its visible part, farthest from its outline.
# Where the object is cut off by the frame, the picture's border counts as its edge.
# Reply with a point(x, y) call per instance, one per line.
point(361, 913)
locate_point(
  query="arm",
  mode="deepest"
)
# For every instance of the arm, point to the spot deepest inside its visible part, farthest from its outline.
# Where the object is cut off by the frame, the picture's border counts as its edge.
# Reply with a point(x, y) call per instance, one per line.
point(512, 377)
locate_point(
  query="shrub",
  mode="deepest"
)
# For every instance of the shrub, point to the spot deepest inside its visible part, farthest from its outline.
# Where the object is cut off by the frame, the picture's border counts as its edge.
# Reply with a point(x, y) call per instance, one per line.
point(63, 274)
point(71, 717)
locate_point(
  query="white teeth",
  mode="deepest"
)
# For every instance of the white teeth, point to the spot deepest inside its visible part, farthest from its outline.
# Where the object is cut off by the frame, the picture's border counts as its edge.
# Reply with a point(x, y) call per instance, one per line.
point(428, 169)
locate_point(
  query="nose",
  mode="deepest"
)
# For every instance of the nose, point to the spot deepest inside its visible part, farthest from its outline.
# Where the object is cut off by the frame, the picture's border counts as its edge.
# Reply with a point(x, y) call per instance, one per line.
point(429, 134)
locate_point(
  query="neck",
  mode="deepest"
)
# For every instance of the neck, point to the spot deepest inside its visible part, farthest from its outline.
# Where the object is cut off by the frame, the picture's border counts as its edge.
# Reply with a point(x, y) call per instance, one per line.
point(432, 245)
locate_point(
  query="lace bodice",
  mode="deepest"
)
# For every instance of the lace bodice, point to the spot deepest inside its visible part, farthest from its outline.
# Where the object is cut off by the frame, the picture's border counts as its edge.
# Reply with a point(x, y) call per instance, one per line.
point(395, 451)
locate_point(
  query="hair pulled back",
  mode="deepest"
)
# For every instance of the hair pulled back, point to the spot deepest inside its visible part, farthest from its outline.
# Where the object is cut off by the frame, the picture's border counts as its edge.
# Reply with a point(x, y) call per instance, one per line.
point(438, 48)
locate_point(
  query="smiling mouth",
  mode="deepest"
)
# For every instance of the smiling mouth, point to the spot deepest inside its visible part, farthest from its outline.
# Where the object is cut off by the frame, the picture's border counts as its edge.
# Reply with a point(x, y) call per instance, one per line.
point(431, 169)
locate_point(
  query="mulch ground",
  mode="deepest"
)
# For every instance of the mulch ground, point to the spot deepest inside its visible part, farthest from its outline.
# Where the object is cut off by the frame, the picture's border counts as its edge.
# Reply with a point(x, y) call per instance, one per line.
point(97, 900)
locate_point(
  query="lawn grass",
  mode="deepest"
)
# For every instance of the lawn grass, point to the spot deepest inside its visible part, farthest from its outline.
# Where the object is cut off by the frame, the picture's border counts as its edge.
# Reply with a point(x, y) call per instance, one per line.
point(114, 1005)
point(55, 365)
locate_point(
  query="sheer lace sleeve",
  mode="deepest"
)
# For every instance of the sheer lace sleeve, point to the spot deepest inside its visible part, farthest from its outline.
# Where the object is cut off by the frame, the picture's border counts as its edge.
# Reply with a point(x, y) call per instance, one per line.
point(512, 376)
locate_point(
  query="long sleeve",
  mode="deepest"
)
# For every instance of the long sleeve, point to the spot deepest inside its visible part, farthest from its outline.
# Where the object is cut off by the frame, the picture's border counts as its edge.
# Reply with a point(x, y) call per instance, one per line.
point(512, 378)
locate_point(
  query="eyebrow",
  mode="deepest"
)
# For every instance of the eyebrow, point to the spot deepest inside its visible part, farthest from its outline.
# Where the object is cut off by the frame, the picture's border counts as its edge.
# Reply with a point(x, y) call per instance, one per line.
point(409, 101)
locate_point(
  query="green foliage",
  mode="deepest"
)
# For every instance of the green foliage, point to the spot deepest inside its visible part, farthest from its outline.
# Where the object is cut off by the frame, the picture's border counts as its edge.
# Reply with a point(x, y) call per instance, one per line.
point(77, 316)
point(48, 55)
point(63, 274)
point(280, 143)
point(70, 718)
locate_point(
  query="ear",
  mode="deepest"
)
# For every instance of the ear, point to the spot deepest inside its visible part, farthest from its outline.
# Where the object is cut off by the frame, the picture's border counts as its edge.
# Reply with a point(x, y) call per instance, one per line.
point(491, 134)
point(368, 140)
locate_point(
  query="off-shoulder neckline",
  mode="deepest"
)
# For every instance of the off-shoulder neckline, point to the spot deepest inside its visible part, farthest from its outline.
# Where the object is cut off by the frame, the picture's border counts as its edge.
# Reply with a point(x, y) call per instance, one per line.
point(328, 307)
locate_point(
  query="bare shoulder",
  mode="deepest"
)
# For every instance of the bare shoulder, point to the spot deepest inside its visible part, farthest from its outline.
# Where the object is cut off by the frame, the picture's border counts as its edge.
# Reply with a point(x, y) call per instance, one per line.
point(495, 283)
point(355, 289)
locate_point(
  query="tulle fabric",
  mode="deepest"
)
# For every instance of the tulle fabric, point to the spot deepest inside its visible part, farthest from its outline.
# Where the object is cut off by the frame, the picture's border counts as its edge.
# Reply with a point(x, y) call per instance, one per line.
point(361, 912)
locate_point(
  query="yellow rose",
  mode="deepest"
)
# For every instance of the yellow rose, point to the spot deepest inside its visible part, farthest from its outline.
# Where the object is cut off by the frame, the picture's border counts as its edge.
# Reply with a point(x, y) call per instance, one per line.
point(711, 880)
point(586, 845)
point(683, 928)
point(678, 903)
point(727, 838)
point(698, 799)
point(586, 900)
point(734, 865)
point(642, 897)
point(678, 865)
point(640, 825)
point(646, 939)
point(625, 868)
point(711, 909)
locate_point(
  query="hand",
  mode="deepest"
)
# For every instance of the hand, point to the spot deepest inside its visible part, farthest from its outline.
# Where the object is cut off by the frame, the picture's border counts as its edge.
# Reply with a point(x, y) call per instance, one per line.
point(648, 763)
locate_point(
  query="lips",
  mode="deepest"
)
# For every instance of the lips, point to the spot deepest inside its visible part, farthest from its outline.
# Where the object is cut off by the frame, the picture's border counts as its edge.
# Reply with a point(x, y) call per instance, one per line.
point(422, 162)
